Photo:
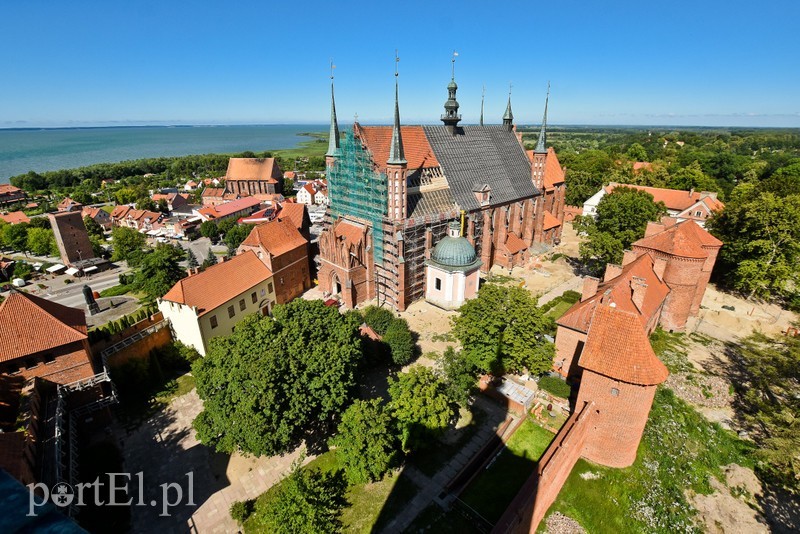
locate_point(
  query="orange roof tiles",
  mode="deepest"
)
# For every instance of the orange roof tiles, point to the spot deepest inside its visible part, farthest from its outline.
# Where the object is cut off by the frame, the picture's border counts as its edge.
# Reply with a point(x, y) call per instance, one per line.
point(228, 208)
point(514, 244)
point(294, 212)
point(213, 192)
point(7, 189)
point(550, 221)
point(30, 324)
point(418, 151)
point(618, 290)
point(617, 347)
point(673, 199)
point(262, 169)
point(351, 232)
point(277, 237)
point(120, 211)
point(685, 239)
point(553, 173)
point(639, 165)
point(15, 217)
point(219, 283)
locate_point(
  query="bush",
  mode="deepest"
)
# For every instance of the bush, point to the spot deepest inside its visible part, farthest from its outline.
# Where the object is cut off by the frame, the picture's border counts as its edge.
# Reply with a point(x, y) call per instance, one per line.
point(378, 319)
point(241, 510)
point(400, 341)
point(555, 386)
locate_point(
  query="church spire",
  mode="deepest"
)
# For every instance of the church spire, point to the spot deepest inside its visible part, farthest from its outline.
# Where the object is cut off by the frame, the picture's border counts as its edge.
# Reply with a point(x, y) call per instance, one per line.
point(508, 116)
point(396, 155)
point(483, 94)
point(451, 116)
point(333, 136)
point(541, 144)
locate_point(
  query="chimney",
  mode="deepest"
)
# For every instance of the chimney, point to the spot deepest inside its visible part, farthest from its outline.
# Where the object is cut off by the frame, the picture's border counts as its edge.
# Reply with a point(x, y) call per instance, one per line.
point(627, 257)
point(691, 192)
point(638, 291)
point(659, 266)
point(189, 271)
point(612, 271)
point(590, 284)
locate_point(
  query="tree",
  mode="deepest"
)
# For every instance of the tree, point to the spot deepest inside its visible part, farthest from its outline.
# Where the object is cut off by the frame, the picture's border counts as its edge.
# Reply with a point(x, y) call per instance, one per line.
point(503, 330)
point(365, 441)
point(92, 227)
point(580, 186)
point(159, 270)
point(378, 318)
point(275, 379)
point(306, 502)
point(211, 258)
point(636, 152)
point(692, 177)
point(145, 203)
point(400, 341)
point(128, 244)
point(458, 375)
point(191, 259)
point(621, 219)
point(226, 225)
point(420, 404)
point(235, 236)
point(210, 230)
point(761, 232)
point(15, 236)
point(41, 242)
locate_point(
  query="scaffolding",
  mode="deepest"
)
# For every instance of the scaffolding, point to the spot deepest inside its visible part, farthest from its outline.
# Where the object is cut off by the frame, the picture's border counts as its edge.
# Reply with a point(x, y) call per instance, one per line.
point(357, 190)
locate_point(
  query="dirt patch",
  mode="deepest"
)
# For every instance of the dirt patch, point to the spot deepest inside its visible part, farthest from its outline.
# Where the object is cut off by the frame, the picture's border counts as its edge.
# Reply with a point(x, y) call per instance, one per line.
point(432, 324)
point(723, 512)
point(558, 523)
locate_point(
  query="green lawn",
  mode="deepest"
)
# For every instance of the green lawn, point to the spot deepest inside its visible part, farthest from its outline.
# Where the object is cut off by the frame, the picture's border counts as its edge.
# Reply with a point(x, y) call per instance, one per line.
point(492, 491)
point(558, 310)
point(370, 505)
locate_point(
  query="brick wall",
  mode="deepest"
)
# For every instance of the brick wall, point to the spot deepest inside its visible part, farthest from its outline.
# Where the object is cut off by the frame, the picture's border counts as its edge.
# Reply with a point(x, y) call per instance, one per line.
point(569, 344)
point(142, 347)
point(290, 274)
point(61, 365)
point(620, 413)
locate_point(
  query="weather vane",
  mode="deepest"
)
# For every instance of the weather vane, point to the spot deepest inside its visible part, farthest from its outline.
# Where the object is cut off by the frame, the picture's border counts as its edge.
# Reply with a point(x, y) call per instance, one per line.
point(453, 74)
point(396, 61)
point(332, 67)
point(510, 85)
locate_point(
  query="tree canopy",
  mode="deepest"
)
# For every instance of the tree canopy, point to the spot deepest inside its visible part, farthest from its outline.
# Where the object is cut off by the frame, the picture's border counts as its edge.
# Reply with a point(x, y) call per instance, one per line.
point(503, 330)
point(420, 404)
point(128, 244)
point(42, 242)
point(277, 378)
point(158, 270)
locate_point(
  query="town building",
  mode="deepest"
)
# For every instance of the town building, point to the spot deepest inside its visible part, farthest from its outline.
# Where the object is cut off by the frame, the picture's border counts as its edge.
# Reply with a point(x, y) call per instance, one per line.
point(683, 205)
point(43, 339)
point(10, 194)
point(14, 217)
point(305, 195)
point(394, 189)
point(452, 274)
point(253, 176)
point(229, 210)
point(69, 205)
point(100, 216)
point(141, 220)
point(175, 201)
point(72, 238)
point(211, 303)
point(214, 196)
point(281, 247)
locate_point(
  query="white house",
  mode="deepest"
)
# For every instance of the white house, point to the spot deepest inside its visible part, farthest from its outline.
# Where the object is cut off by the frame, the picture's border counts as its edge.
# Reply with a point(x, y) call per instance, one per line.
point(211, 303)
point(306, 195)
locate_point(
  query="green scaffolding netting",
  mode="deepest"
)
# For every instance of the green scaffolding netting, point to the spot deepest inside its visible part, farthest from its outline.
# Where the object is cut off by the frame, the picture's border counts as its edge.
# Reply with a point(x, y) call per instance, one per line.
point(356, 190)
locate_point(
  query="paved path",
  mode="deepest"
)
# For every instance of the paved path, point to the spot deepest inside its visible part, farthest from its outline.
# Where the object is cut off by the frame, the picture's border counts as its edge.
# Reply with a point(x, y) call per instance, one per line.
point(431, 488)
point(575, 284)
point(164, 448)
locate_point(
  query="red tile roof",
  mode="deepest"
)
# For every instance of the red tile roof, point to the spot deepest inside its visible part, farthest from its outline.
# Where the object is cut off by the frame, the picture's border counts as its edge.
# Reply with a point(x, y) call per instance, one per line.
point(30, 324)
point(15, 217)
point(262, 169)
point(351, 232)
point(276, 237)
point(219, 283)
point(673, 199)
point(294, 212)
point(686, 239)
point(120, 211)
point(418, 151)
point(617, 347)
point(639, 165)
point(550, 221)
point(514, 244)
point(228, 208)
point(7, 189)
point(618, 290)
point(213, 192)
point(553, 173)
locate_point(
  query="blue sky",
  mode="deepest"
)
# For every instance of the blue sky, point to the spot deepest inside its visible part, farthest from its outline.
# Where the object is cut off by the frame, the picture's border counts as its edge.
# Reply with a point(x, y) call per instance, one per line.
point(204, 62)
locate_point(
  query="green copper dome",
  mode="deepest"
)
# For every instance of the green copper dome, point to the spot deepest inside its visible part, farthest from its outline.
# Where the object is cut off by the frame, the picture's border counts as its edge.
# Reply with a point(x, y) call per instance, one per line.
point(454, 252)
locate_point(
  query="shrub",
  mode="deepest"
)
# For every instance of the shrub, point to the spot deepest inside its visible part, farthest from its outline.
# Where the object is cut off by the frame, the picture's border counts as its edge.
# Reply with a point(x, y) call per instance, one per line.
point(378, 319)
point(241, 510)
point(555, 386)
point(400, 341)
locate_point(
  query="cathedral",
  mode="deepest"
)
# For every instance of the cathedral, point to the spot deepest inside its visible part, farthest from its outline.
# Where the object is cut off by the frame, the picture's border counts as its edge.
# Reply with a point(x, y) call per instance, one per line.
point(394, 190)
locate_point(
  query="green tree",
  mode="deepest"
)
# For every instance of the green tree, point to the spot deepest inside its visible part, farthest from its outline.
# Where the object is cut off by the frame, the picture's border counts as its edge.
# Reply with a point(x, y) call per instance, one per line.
point(125, 195)
point(306, 502)
point(460, 377)
point(235, 236)
point(366, 442)
point(211, 258)
point(503, 330)
point(277, 378)
point(145, 203)
point(636, 152)
point(420, 404)
point(400, 341)
point(580, 186)
point(41, 242)
point(92, 227)
point(210, 230)
point(191, 259)
point(159, 270)
point(226, 225)
point(761, 233)
point(15, 236)
point(378, 318)
point(128, 244)
point(692, 177)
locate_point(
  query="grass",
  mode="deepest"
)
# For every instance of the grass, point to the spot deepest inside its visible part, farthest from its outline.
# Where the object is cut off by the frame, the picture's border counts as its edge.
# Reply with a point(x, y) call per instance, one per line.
point(116, 291)
point(430, 460)
point(370, 505)
point(175, 388)
point(316, 146)
point(680, 451)
point(558, 310)
point(671, 349)
point(555, 386)
point(108, 209)
point(492, 491)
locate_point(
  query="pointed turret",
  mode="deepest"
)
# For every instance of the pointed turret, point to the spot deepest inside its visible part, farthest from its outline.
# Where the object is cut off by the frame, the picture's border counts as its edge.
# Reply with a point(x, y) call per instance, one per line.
point(396, 154)
point(541, 144)
point(333, 136)
point(483, 94)
point(508, 116)
point(451, 116)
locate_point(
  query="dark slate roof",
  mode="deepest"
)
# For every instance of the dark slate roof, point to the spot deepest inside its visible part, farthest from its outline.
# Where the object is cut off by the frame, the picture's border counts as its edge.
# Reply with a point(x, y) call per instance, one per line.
point(479, 155)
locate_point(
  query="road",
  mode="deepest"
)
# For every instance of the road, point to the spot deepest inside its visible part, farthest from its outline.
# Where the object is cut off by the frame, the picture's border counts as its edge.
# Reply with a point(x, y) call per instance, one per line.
point(72, 294)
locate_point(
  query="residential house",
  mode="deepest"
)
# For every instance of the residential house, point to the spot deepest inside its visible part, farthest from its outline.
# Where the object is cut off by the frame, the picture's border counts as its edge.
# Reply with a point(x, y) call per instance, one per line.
point(175, 201)
point(141, 220)
point(305, 195)
point(281, 247)
point(683, 205)
point(191, 185)
point(10, 194)
point(69, 205)
point(211, 303)
point(213, 196)
point(261, 216)
point(229, 210)
point(321, 197)
point(100, 216)
point(14, 217)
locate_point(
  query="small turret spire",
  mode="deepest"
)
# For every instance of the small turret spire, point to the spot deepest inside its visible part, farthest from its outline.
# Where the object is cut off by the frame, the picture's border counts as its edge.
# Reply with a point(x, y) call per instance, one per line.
point(333, 135)
point(483, 94)
point(508, 116)
point(451, 116)
point(541, 144)
point(396, 154)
